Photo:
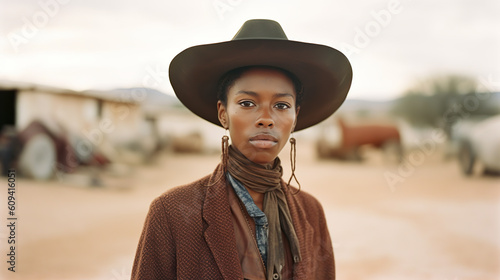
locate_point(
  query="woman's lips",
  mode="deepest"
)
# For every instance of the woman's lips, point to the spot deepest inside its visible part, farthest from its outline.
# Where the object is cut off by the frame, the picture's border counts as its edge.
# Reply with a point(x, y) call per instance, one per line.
point(263, 141)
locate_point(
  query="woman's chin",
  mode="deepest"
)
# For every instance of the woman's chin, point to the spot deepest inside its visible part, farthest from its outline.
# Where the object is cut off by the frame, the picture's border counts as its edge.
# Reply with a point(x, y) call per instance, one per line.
point(264, 158)
point(259, 155)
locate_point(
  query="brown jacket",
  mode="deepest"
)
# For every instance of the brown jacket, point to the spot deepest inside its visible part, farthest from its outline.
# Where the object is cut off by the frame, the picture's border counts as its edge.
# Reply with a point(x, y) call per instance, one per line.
point(188, 234)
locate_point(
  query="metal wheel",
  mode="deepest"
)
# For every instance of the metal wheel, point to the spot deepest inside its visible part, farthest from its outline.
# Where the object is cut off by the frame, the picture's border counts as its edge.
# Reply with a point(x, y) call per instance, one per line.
point(38, 157)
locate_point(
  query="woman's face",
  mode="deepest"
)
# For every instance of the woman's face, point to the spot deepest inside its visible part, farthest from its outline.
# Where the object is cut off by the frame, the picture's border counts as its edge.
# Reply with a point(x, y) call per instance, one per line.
point(260, 113)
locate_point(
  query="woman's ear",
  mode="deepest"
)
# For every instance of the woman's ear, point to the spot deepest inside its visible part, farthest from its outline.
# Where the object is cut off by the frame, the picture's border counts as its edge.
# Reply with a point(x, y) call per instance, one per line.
point(296, 117)
point(222, 114)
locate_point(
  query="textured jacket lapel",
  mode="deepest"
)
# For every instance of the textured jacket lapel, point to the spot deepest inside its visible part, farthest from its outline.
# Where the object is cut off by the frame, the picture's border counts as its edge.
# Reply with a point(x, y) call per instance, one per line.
point(219, 233)
point(304, 234)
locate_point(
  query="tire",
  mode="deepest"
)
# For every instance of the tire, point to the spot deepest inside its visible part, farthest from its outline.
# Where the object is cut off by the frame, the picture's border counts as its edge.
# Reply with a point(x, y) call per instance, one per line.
point(38, 157)
point(466, 158)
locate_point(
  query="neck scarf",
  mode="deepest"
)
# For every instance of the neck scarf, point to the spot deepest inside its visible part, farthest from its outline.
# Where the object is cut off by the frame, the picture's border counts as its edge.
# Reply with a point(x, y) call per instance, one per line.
point(266, 179)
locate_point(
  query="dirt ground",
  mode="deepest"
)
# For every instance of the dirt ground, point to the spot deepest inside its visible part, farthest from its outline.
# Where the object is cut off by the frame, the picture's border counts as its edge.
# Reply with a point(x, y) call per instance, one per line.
point(426, 222)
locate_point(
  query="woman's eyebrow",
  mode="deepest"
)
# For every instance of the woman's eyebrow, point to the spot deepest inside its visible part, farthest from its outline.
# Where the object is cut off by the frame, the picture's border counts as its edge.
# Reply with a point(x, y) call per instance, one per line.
point(252, 93)
point(284, 95)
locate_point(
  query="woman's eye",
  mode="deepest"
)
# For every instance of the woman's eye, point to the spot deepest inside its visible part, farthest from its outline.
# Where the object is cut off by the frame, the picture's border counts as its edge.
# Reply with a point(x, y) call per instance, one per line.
point(246, 103)
point(282, 106)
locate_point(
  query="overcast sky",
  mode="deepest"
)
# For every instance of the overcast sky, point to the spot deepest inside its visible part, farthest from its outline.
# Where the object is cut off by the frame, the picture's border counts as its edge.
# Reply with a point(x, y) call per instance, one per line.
point(91, 44)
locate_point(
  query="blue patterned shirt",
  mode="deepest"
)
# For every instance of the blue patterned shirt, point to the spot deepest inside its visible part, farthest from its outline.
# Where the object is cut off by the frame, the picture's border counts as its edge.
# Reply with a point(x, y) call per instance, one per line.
point(260, 219)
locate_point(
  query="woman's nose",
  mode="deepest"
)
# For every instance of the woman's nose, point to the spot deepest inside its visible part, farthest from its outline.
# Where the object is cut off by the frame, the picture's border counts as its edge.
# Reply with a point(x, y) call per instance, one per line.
point(265, 120)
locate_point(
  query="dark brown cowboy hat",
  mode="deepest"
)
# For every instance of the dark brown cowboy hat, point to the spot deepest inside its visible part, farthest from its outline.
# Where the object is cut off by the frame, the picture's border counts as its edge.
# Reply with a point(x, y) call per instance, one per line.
point(325, 73)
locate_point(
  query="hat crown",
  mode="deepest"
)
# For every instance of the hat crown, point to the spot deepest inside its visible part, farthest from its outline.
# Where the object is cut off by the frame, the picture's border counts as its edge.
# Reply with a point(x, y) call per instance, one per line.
point(260, 29)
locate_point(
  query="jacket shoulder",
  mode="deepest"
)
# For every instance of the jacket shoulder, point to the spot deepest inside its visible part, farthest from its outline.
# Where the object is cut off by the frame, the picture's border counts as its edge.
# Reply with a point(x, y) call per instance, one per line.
point(305, 204)
point(195, 190)
point(303, 197)
point(184, 192)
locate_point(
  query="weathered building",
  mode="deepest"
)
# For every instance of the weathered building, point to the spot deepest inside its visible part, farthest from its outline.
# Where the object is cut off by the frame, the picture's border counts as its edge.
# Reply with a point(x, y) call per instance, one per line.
point(60, 128)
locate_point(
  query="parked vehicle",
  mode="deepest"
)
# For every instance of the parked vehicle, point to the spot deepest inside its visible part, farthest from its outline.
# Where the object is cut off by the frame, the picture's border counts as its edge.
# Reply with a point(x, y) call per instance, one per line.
point(479, 142)
point(352, 137)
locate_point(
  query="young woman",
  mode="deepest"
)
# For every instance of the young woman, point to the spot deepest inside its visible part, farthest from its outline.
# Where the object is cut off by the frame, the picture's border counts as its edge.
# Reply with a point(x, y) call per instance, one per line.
point(244, 221)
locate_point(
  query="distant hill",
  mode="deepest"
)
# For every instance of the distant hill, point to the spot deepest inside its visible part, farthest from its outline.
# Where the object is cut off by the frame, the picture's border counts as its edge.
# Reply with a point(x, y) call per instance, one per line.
point(370, 105)
point(152, 95)
point(153, 101)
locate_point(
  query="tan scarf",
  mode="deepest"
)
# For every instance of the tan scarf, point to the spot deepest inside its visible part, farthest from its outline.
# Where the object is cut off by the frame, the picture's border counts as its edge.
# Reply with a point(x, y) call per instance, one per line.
point(267, 180)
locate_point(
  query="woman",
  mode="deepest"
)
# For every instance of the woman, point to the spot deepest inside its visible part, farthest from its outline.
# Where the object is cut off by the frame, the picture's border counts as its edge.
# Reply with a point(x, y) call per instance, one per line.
point(243, 221)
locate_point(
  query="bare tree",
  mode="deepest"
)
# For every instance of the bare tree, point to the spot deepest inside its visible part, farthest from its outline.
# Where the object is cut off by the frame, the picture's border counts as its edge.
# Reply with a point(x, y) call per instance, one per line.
point(440, 101)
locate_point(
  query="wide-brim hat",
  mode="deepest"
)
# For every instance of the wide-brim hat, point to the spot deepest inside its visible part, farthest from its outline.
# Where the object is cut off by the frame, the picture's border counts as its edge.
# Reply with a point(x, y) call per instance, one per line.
point(324, 72)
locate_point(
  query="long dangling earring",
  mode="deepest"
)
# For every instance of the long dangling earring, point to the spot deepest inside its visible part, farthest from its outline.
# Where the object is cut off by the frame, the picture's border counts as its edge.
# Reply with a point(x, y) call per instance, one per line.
point(225, 152)
point(293, 162)
point(224, 156)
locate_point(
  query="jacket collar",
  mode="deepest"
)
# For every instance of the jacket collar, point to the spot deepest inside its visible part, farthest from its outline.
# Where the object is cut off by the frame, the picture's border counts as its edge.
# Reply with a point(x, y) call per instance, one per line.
point(219, 233)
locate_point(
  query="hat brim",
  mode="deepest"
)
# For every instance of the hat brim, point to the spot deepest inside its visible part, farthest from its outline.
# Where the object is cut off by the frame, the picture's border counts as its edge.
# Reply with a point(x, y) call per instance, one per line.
point(325, 73)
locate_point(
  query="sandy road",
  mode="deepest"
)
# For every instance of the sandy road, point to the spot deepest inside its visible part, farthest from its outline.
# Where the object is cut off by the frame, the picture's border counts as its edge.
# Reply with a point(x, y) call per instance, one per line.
point(436, 224)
